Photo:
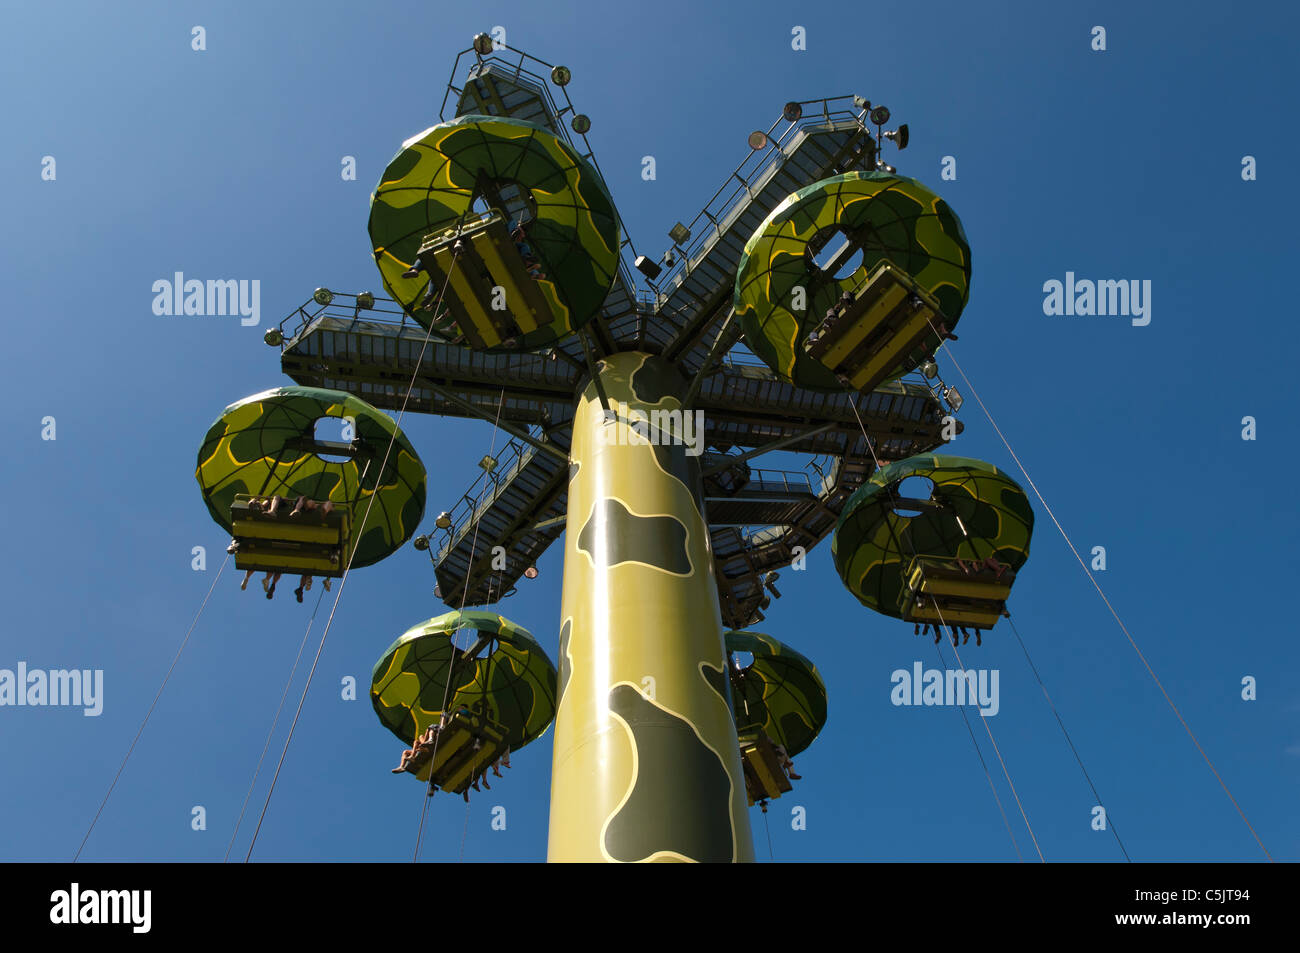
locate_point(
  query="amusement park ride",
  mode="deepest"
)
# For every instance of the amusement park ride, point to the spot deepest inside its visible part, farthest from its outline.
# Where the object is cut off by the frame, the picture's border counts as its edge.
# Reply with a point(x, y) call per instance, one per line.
point(514, 299)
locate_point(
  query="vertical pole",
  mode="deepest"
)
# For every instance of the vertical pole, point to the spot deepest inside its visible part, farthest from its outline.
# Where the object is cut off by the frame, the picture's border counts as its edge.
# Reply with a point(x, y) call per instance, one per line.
point(646, 763)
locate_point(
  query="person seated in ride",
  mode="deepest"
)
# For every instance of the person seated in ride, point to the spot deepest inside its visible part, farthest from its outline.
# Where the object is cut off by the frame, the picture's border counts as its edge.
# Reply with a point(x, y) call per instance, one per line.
point(786, 764)
point(306, 504)
point(422, 742)
point(531, 263)
point(304, 585)
point(415, 270)
point(269, 581)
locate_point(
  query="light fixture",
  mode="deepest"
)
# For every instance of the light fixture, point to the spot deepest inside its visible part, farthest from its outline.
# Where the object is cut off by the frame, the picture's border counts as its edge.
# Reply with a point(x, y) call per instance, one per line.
point(482, 44)
point(560, 75)
point(273, 337)
point(792, 112)
point(769, 580)
point(898, 136)
point(680, 234)
point(861, 103)
point(421, 543)
point(365, 301)
point(322, 296)
point(647, 267)
point(929, 368)
point(530, 572)
point(488, 463)
point(883, 166)
point(757, 140)
point(443, 521)
point(880, 115)
point(953, 398)
point(581, 124)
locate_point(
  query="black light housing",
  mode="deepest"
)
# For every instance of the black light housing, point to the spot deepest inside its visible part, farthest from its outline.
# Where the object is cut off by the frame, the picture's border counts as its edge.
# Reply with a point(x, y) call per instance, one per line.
point(647, 267)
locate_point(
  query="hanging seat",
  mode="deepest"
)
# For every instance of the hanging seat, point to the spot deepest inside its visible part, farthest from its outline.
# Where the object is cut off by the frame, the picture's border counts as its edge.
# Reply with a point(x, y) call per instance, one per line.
point(311, 543)
point(955, 591)
point(487, 259)
point(765, 779)
point(889, 317)
point(467, 747)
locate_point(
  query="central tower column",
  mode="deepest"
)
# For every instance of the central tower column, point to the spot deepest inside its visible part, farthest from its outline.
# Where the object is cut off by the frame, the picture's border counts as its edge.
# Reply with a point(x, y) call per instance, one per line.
point(646, 764)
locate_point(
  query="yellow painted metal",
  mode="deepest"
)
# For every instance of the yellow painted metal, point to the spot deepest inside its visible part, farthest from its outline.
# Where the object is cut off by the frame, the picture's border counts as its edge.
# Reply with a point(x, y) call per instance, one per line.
point(646, 763)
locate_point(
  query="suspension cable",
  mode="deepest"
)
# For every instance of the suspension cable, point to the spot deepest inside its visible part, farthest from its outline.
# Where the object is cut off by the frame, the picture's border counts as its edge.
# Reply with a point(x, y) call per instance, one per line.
point(456, 250)
point(1093, 579)
point(446, 688)
point(274, 721)
point(154, 704)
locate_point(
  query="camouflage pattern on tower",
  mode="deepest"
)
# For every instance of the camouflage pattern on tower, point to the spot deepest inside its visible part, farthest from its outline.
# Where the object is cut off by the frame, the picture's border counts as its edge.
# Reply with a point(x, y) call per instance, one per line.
point(510, 680)
point(646, 763)
point(974, 512)
point(889, 217)
point(434, 182)
point(779, 693)
point(265, 445)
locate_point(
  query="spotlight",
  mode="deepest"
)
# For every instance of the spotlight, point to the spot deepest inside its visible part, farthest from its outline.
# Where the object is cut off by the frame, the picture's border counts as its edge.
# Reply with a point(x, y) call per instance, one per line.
point(530, 572)
point(861, 103)
point(560, 75)
point(482, 44)
point(679, 233)
point(757, 140)
point(647, 267)
point(883, 166)
point(273, 337)
point(792, 112)
point(929, 368)
point(365, 301)
point(581, 124)
point(953, 398)
point(488, 463)
point(880, 115)
point(322, 296)
point(898, 136)
point(421, 543)
point(769, 580)
point(443, 521)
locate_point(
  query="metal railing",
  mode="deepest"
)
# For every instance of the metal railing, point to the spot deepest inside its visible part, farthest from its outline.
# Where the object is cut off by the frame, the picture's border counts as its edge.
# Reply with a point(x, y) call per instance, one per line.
point(475, 502)
point(748, 178)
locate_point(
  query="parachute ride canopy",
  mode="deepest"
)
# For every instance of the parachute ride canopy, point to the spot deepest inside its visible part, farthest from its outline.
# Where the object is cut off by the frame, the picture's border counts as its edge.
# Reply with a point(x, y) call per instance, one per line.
point(943, 554)
point(819, 327)
point(266, 445)
point(448, 211)
point(497, 689)
point(778, 699)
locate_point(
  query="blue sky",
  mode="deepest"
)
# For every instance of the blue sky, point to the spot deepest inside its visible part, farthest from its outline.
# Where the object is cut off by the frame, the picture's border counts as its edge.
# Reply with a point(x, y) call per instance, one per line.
point(225, 163)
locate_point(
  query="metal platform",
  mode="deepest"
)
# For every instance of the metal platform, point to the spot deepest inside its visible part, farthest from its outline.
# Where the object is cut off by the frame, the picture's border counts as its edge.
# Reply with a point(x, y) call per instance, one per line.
point(758, 519)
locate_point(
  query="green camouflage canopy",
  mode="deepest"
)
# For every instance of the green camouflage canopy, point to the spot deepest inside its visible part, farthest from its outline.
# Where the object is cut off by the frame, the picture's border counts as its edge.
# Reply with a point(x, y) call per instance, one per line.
point(876, 537)
point(889, 217)
point(432, 185)
point(512, 676)
point(780, 691)
point(262, 446)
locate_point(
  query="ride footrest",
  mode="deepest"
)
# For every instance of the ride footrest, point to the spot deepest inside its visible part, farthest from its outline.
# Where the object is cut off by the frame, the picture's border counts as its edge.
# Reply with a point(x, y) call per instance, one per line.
point(955, 591)
point(488, 260)
point(311, 543)
point(765, 779)
point(889, 317)
point(468, 745)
